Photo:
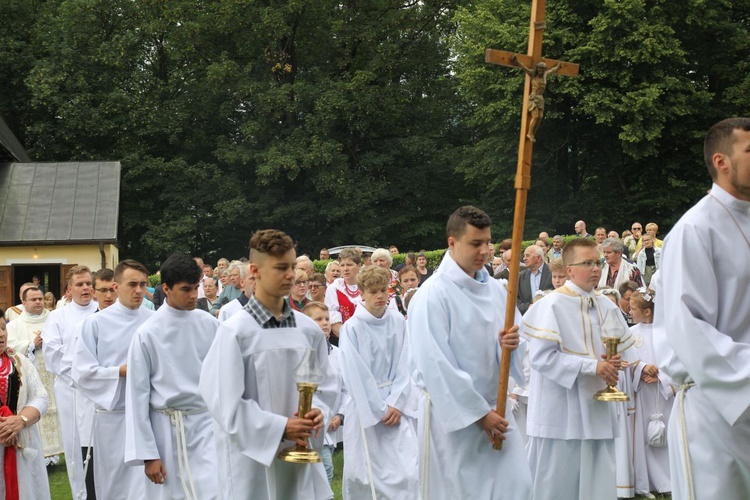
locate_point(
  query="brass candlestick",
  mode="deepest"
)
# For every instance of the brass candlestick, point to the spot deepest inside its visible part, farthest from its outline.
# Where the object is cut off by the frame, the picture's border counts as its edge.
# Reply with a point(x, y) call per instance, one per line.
point(611, 393)
point(299, 454)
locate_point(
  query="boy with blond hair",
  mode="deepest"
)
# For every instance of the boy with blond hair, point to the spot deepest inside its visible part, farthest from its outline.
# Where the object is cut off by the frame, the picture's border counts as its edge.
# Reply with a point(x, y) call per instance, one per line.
point(318, 312)
point(381, 446)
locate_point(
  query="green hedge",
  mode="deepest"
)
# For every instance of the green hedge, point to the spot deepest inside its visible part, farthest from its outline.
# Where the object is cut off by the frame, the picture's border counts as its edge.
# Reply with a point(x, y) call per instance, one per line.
point(434, 256)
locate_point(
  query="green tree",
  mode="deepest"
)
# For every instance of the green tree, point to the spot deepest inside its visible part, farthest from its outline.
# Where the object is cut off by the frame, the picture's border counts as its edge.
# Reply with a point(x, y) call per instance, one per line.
point(622, 141)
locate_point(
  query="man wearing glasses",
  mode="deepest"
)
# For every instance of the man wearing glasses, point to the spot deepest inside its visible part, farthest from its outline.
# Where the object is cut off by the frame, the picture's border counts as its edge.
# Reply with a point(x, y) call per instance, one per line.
point(633, 241)
point(571, 448)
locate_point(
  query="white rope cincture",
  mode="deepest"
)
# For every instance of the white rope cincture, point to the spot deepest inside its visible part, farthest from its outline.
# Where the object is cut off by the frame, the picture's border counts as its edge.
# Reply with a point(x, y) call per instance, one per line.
point(369, 465)
point(87, 460)
point(176, 418)
point(426, 447)
point(686, 451)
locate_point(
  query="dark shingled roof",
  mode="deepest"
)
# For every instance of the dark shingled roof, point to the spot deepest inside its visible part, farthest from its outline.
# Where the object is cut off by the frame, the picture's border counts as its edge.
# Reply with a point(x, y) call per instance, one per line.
point(59, 203)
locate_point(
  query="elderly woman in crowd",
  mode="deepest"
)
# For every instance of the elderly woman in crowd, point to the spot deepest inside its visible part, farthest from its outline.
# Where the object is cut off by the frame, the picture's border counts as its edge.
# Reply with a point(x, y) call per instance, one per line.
point(617, 270)
point(333, 271)
point(23, 402)
point(383, 258)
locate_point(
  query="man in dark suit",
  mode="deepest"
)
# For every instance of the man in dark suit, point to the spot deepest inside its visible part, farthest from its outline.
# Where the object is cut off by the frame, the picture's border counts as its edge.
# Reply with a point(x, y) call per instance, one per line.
point(535, 277)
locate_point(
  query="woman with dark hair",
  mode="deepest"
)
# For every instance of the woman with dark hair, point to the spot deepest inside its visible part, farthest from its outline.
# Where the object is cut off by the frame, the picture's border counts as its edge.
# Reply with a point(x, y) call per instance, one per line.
point(423, 272)
point(23, 401)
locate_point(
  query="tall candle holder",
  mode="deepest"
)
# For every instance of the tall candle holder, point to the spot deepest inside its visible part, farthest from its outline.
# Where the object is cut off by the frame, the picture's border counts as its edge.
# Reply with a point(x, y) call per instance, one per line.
point(611, 393)
point(308, 377)
point(612, 331)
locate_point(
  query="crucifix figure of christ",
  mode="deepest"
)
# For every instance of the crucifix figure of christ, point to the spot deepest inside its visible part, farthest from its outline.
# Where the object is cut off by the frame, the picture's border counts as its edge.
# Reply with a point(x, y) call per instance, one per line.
point(531, 117)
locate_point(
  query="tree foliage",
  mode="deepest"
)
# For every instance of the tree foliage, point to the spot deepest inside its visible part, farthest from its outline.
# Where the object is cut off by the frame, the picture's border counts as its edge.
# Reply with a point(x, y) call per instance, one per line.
point(621, 141)
point(368, 122)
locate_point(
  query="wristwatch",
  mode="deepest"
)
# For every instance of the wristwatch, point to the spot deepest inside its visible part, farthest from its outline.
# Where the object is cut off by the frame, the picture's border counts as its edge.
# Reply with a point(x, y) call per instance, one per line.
point(25, 420)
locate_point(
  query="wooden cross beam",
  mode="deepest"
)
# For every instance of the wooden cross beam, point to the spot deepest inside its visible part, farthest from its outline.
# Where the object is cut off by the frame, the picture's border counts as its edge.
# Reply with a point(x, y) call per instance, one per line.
point(531, 116)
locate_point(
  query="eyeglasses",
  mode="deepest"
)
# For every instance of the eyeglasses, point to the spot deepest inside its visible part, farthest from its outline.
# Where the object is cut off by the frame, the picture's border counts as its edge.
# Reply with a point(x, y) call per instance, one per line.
point(105, 290)
point(636, 229)
point(315, 287)
point(589, 264)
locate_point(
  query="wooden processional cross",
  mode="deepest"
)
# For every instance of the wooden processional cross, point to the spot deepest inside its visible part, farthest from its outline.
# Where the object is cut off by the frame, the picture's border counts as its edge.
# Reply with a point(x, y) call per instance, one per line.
point(537, 69)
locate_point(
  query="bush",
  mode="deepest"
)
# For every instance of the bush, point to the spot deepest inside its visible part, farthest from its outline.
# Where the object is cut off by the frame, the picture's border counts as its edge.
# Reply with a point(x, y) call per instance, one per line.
point(434, 257)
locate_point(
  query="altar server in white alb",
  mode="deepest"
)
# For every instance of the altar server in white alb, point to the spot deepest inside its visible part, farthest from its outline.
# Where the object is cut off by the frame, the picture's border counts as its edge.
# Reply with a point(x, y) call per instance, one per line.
point(701, 327)
point(318, 312)
point(249, 383)
point(99, 372)
point(105, 296)
point(455, 330)
point(571, 436)
point(167, 426)
point(380, 443)
point(654, 397)
point(56, 335)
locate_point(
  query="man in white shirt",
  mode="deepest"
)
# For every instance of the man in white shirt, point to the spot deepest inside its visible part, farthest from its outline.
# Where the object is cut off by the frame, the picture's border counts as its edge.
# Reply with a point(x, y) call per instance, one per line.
point(25, 336)
point(249, 384)
point(167, 426)
point(701, 332)
point(571, 446)
point(455, 322)
point(56, 336)
point(99, 371)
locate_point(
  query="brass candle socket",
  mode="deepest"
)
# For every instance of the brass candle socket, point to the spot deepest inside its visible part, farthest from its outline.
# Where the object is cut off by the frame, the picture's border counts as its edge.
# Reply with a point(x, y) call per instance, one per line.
point(299, 454)
point(611, 393)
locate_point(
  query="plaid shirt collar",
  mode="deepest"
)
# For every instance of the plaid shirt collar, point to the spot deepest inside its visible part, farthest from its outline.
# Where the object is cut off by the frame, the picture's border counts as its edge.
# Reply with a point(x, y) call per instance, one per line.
point(267, 320)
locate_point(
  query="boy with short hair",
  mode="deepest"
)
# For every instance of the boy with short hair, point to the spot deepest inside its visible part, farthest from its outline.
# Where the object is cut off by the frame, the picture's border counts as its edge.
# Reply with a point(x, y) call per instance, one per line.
point(381, 447)
point(571, 447)
point(456, 330)
point(249, 383)
point(167, 427)
point(559, 275)
point(99, 371)
point(318, 312)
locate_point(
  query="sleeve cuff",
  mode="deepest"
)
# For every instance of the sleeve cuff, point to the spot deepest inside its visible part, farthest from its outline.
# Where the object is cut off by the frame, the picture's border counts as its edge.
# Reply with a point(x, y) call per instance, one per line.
point(589, 367)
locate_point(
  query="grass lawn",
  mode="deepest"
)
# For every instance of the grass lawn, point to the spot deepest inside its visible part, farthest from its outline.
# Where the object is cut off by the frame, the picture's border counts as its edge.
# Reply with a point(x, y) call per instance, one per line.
point(58, 479)
point(60, 489)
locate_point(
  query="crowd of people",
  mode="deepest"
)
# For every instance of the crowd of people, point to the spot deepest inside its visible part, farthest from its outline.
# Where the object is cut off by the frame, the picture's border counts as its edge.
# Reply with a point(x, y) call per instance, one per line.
point(179, 392)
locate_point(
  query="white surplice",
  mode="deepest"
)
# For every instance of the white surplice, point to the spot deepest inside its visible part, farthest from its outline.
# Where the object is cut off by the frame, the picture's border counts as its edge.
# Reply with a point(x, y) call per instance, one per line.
point(101, 348)
point(454, 322)
point(651, 464)
point(565, 330)
point(164, 363)
point(57, 334)
point(375, 370)
point(228, 310)
point(249, 384)
point(33, 483)
point(21, 334)
point(334, 359)
point(701, 337)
